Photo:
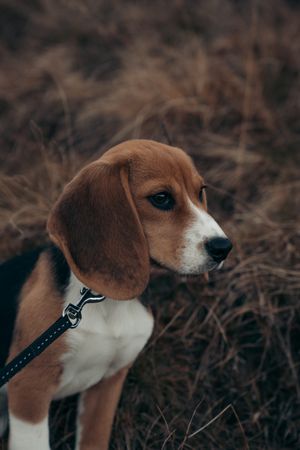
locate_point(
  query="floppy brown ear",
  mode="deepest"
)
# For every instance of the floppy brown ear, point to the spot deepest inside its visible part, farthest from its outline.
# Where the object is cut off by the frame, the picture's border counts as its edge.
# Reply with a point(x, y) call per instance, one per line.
point(96, 225)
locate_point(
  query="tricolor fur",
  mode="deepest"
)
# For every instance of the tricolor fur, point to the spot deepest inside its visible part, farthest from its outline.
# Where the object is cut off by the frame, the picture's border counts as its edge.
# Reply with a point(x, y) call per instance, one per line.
point(106, 233)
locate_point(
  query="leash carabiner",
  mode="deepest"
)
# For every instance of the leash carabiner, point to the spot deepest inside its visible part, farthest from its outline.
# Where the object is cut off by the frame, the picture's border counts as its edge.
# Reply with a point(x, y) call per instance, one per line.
point(73, 312)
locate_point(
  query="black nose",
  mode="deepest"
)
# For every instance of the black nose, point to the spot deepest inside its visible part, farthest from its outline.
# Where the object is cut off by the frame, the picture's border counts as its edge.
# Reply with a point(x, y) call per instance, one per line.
point(218, 248)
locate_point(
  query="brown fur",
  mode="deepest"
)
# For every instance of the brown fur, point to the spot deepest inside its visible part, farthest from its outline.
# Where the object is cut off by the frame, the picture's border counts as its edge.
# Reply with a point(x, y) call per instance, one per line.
point(105, 225)
point(108, 230)
point(99, 406)
point(96, 225)
point(159, 167)
point(31, 391)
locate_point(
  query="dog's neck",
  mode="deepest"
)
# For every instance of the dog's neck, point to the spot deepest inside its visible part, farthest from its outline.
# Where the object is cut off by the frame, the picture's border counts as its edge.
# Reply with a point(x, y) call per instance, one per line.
point(73, 295)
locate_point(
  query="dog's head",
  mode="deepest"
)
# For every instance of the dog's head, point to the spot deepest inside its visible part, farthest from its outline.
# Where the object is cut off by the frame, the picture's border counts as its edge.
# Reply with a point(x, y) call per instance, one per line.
point(142, 201)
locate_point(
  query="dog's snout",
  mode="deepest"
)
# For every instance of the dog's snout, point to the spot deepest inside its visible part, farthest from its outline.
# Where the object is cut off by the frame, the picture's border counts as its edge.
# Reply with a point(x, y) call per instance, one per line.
point(218, 248)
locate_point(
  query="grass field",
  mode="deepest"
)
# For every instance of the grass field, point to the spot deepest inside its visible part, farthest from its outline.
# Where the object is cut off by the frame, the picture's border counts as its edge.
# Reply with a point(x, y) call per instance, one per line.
point(219, 79)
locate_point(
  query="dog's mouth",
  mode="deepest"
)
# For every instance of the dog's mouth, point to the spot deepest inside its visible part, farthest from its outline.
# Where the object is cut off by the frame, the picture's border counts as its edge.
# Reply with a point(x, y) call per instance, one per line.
point(159, 267)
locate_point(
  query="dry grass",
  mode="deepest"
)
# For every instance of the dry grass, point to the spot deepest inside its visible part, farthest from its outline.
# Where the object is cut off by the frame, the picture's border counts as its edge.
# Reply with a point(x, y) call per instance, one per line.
point(220, 79)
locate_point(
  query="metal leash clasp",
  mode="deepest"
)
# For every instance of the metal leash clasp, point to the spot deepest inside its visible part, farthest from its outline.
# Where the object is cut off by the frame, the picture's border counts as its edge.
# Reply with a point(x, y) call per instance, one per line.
point(74, 311)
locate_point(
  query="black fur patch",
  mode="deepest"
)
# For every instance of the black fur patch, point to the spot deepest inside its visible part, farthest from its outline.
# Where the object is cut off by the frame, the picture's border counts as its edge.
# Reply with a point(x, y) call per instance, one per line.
point(60, 268)
point(13, 274)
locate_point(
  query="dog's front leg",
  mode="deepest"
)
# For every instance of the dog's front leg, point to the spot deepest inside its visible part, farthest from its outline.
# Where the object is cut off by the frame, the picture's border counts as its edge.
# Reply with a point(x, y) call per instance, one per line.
point(25, 435)
point(96, 412)
point(29, 397)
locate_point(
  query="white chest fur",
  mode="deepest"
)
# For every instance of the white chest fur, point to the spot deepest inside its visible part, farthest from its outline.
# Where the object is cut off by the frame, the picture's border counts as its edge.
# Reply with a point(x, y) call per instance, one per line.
point(109, 337)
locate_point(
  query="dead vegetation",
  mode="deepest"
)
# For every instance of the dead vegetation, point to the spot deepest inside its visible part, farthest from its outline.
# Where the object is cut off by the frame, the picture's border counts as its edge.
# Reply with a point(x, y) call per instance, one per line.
point(221, 80)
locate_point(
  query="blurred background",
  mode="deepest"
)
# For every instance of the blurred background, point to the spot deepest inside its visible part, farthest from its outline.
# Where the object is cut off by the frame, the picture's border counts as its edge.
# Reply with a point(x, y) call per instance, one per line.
point(219, 79)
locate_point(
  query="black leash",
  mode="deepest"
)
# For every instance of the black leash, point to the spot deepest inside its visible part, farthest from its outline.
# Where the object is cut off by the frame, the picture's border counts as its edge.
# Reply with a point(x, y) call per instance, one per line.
point(70, 318)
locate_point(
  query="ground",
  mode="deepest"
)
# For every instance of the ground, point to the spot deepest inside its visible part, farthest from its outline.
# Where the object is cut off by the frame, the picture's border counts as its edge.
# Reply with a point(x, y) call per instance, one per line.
point(221, 80)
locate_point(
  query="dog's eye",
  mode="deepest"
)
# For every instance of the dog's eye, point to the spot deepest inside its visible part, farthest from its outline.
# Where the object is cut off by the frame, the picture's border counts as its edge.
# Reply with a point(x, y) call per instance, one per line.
point(201, 193)
point(162, 200)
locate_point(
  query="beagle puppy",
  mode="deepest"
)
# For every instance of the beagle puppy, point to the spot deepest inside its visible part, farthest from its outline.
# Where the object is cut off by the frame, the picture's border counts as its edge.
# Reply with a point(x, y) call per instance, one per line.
point(141, 203)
